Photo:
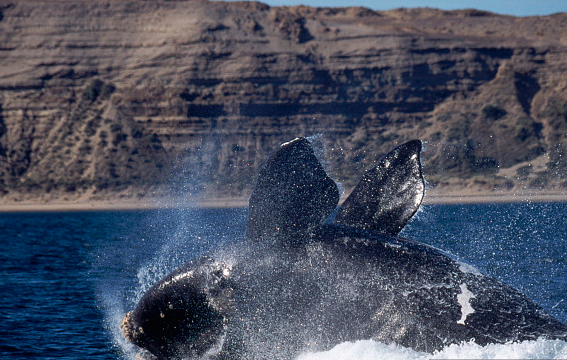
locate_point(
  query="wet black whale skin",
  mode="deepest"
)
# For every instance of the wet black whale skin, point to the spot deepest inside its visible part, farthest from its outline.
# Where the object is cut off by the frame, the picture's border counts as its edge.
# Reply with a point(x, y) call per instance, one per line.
point(298, 282)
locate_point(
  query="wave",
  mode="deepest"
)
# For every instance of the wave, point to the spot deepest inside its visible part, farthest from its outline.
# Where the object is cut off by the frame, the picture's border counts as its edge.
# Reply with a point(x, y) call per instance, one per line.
point(372, 350)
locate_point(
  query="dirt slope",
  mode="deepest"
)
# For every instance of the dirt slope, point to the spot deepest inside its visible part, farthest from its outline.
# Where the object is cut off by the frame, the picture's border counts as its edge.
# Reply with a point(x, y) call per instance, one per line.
point(100, 99)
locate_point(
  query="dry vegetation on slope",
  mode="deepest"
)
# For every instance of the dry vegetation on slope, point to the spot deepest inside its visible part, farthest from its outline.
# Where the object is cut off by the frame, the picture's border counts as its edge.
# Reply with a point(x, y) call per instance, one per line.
point(99, 98)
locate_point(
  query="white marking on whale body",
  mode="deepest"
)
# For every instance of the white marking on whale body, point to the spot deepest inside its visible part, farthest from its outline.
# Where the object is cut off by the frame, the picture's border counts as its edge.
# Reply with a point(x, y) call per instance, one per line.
point(469, 269)
point(464, 300)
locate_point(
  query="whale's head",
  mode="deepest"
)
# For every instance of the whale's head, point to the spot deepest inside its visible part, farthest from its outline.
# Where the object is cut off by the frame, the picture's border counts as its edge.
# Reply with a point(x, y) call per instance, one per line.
point(174, 319)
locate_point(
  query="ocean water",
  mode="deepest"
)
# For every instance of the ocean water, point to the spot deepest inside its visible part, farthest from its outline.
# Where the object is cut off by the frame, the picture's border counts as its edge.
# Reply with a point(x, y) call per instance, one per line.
point(66, 279)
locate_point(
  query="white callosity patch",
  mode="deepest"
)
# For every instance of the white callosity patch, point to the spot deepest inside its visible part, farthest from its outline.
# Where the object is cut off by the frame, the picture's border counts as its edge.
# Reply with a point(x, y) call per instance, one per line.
point(215, 272)
point(464, 300)
point(177, 278)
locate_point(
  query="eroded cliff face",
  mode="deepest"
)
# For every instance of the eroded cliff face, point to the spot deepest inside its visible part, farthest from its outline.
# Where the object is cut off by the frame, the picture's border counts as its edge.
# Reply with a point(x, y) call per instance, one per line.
point(133, 97)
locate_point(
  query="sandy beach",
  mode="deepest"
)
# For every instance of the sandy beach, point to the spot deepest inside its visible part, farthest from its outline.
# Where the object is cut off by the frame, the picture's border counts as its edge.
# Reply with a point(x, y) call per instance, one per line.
point(125, 204)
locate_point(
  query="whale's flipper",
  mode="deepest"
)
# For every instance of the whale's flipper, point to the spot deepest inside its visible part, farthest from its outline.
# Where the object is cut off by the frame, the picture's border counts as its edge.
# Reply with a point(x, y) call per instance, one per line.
point(292, 196)
point(388, 194)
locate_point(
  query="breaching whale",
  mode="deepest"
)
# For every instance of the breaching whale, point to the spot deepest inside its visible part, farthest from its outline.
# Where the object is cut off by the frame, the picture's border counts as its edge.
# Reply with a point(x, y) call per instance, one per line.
point(300, 281)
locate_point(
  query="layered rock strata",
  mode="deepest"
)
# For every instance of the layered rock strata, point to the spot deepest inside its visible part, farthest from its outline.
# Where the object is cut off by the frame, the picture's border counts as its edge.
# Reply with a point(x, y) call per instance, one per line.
point(99, 98)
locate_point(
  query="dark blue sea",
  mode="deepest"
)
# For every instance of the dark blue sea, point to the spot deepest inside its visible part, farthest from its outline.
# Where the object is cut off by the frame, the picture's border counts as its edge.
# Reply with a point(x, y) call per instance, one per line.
point(66, 279)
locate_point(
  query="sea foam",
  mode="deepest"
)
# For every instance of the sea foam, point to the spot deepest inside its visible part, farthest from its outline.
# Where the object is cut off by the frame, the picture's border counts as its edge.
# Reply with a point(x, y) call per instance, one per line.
point(372, 350)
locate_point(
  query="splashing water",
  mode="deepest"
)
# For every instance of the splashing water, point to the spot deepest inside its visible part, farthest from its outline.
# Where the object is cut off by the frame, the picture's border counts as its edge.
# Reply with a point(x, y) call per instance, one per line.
point(371, 350)
point(189, 234)
point(171, 238)
point(65, 274)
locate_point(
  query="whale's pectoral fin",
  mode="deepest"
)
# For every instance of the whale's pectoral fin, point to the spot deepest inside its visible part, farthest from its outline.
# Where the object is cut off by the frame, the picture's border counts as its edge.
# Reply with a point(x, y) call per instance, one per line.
point(389, 194)
point(292, 196)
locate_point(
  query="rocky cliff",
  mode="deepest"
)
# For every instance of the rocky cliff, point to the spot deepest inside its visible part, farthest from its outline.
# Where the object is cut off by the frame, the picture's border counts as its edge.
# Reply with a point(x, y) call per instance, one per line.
point(99, 98)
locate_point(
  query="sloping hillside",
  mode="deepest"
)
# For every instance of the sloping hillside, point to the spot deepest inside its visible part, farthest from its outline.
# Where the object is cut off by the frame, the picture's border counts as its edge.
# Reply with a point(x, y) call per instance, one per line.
point(100, 99)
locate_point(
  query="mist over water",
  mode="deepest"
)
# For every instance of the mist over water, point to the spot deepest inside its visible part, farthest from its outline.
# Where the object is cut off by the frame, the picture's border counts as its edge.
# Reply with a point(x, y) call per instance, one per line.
point(174, 237)
point(67, 279)
point(496, 238)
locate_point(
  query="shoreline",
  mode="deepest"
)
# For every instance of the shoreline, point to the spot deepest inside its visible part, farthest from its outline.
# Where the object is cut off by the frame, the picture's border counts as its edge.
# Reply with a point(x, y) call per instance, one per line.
point(431, 198)
point(492, 198)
